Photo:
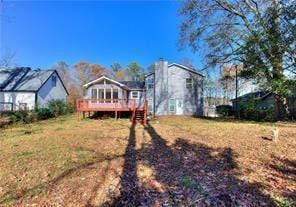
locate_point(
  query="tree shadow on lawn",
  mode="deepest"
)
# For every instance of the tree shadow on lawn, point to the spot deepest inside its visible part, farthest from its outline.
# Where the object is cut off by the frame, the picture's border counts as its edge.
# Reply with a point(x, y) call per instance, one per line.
point(285, 169)
point(186, 174)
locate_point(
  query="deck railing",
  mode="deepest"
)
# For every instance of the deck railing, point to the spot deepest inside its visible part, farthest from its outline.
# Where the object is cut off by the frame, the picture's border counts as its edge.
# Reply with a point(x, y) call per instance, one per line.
point(109, 104)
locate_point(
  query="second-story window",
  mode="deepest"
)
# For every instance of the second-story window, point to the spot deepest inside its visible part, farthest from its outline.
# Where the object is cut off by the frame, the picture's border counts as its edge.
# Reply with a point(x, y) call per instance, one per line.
point(54, 81)
point(189, 83)
point(135, 95)
point(150, 83)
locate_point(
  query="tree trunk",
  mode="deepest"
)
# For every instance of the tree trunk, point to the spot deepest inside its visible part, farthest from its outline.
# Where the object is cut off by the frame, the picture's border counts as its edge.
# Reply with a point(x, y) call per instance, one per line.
point(282, 108)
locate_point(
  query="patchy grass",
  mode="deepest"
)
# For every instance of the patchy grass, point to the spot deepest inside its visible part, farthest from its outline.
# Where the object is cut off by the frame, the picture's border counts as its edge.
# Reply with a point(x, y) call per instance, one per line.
point(171, 161)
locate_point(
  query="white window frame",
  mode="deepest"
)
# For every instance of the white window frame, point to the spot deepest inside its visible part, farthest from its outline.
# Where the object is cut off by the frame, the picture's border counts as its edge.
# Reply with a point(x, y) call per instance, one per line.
point(92, 92)
point(175, 106)
point(150, 82)
point(150, 105)
point(189, 84)
point(138, 94)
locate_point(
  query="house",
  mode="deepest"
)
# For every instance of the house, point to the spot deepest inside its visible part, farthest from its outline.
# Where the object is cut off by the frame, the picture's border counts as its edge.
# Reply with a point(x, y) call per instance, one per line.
point(265, 100)
point(172, 89)
point(22, 88)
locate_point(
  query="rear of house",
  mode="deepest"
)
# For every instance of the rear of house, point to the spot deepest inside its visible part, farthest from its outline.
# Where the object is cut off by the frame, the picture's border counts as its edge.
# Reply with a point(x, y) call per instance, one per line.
point(24, 89)
point(172, 89)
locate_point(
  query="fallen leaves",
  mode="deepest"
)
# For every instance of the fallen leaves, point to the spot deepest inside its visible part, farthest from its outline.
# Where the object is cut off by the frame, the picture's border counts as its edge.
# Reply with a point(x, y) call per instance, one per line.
point(180, 161)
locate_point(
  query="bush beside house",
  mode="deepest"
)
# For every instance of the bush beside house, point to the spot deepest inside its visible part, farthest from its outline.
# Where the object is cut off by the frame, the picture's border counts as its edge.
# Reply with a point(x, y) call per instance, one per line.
point(54, 108)
point(254, 109)
point(224, 110)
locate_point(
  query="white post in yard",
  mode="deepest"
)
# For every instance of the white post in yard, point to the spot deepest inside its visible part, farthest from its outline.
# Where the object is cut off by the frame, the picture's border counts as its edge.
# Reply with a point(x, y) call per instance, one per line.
point(111, 95)
point(104, 89)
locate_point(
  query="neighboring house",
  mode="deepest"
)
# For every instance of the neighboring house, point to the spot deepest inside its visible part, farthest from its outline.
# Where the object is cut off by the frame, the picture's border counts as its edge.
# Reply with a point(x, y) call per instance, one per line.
point(24, 88)
point(265, 100)
point(171, 89)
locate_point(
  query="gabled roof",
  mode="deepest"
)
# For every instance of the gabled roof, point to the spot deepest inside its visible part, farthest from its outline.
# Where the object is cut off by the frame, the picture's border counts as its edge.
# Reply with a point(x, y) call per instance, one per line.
point(102, 78)
point(257, 95)
point(186, 68)
point(128, 85)
point(23, 79)
point(182, 67)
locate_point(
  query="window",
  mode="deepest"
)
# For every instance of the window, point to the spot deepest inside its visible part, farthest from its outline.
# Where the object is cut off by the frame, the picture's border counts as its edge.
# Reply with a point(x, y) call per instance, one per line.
point(150, 83)
point(101, 93)
point(189, 83)
point(135, 95)
point(115, 93)
point(94, 94)
point(172, 105)
point(54, 81)
point(150, 106)
point(108, 93)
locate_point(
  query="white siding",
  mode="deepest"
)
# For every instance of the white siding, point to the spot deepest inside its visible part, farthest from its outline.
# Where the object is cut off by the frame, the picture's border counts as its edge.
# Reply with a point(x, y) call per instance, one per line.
point(16, 98)
point(48, 91)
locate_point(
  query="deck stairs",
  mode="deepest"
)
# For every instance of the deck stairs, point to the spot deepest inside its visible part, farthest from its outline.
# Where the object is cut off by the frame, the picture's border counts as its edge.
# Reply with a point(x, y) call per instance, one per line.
point(139, 116)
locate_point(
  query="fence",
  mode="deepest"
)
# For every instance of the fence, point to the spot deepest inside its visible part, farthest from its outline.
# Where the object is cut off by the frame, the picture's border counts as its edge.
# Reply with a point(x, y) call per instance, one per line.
point(6, 106)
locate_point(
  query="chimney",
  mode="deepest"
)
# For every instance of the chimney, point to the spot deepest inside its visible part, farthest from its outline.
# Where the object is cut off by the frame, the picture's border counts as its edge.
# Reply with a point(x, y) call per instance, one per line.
point(161, 86)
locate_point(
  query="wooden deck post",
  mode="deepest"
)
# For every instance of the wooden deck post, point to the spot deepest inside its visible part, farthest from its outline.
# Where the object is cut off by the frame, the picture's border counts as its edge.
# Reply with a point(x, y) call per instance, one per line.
point(77, 109)
point(115, 110)
point(145, 111)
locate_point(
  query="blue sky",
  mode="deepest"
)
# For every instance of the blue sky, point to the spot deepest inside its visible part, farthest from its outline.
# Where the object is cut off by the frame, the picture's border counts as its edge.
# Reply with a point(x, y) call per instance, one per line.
point(42, 33)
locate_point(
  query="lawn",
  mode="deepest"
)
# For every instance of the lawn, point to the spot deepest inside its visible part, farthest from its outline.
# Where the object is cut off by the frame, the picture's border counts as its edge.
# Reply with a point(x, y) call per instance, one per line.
point(173, 161)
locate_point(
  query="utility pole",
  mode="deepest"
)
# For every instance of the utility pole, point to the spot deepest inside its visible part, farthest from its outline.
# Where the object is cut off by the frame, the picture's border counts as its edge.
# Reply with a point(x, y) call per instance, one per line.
point(236, 92)
point(236, 82)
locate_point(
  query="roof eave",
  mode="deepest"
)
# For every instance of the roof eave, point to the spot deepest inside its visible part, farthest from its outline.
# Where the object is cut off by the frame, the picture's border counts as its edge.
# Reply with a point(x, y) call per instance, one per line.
point(106, 78)
point(186, 68)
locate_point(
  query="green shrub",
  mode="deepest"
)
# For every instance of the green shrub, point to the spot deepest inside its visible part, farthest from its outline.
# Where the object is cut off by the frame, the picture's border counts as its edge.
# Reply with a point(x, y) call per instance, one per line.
point(70, 109)
point(249, 111)
point(224, 110)
point(19, 117)
point(59, 107)
point(43, 113)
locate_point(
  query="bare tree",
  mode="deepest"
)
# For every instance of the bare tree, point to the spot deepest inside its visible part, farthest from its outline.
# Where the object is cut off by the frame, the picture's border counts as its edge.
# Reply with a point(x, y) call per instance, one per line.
point(259, 34)
point(8, 60)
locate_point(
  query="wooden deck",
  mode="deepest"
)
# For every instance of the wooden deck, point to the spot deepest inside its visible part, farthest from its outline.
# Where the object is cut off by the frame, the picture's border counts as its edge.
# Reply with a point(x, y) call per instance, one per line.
point(138, 108)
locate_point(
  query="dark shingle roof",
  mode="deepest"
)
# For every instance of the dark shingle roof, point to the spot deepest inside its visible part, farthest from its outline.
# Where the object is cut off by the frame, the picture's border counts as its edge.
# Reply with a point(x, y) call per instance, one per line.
point(23, 79)
point(134, 84)
point(257, 95)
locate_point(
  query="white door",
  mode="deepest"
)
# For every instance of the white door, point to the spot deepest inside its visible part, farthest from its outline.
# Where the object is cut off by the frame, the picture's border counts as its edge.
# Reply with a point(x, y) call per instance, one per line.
point(179, 108)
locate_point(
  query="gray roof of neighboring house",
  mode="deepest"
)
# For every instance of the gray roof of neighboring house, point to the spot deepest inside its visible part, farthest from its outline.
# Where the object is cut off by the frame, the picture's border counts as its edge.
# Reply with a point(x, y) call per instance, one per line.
point(23, 79)
point(258, 95)
point(134, 84)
